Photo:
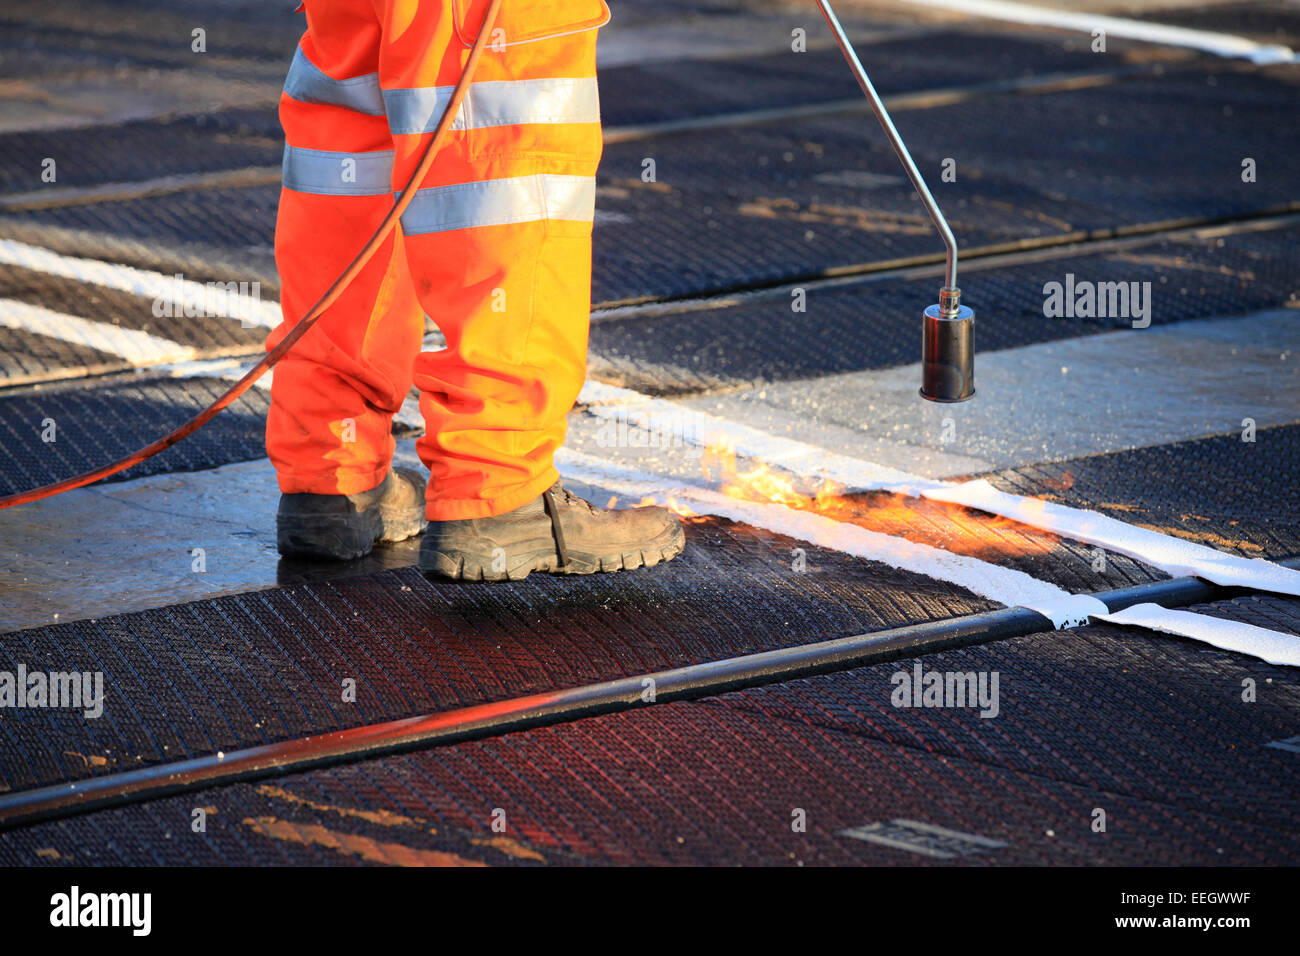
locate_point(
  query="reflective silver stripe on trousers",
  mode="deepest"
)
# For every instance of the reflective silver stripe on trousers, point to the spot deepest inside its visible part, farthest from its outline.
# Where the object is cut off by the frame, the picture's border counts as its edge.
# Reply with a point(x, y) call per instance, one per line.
point(496, 103)
point(306, 83)
point(328, 173)
point(499, 202)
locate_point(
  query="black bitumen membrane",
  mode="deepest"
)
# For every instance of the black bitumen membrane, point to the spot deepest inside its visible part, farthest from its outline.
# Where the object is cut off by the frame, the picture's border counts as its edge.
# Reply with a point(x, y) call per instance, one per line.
point(732, 208)
point(873, 323)
point(100, 423)
point(117, 35)
point(1239, 497)
point(667, 91)
point(1261, 20)
point(631, 95)
point(1151, 731)
point(789, 199)
point(252, 668)
point(29, 356)
point(141, 150)
point(226, 219)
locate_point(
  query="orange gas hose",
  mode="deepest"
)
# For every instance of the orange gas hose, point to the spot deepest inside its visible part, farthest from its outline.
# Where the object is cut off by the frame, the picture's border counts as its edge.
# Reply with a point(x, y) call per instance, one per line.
point(308, 320)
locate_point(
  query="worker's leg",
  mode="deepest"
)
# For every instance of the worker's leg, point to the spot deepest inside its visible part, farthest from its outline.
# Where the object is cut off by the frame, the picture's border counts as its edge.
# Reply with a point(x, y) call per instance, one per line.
point(333, 396)
point(498, 237)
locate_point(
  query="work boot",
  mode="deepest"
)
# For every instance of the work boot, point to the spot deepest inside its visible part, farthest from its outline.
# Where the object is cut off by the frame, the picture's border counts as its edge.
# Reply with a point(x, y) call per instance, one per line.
point(557, 532)
point(344, 527)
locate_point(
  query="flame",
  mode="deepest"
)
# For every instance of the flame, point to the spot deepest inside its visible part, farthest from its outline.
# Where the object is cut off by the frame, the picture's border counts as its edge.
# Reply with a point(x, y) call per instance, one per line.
point(676, 507)
point(764, 485)
point(672, 504)
point(952, 527)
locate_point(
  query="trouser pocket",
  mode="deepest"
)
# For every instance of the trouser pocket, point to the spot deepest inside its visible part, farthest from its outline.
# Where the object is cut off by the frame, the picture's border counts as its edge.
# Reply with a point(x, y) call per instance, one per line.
point(527, 21)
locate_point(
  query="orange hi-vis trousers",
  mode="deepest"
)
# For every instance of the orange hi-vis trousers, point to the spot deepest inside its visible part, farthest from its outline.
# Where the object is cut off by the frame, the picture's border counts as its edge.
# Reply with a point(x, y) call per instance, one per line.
point(495, 247)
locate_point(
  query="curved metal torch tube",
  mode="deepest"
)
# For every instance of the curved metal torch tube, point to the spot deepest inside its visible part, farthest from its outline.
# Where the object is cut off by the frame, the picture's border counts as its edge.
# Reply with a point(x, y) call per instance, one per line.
point(904, 157)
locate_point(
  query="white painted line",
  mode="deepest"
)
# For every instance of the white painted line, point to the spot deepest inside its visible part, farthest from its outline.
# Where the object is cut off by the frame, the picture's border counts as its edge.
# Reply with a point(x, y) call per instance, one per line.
point(1173, 555)
point(1005, 585)
point(138, 348)
point(1271, 646)
point(248, 309)
point(923, 838)
point(228, 368)
point(1220, 44)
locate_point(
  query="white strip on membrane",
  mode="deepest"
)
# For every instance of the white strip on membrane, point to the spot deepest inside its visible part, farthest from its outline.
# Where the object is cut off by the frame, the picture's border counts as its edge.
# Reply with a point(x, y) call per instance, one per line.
point(249, 309)
point(327, 173)
point(1220, 44)
point(496, 103)
point(229, 369)
point(138, 348)
point(307, 83)
point(1238, 636)
point(1173, 555)
point(1003, 585)
point(500, 202)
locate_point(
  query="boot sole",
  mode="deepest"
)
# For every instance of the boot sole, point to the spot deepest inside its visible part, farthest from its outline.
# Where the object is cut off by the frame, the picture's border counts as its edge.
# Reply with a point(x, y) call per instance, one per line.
point(462, 566)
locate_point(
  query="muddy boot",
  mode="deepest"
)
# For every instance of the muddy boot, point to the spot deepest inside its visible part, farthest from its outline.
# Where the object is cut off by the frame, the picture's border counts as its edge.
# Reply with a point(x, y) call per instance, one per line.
point(557, 532)
point(343, 527)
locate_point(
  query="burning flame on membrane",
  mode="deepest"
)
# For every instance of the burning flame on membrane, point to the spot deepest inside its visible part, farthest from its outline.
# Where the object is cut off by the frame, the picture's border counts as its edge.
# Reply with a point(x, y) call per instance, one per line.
point(673, 505)
point(953, 527)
